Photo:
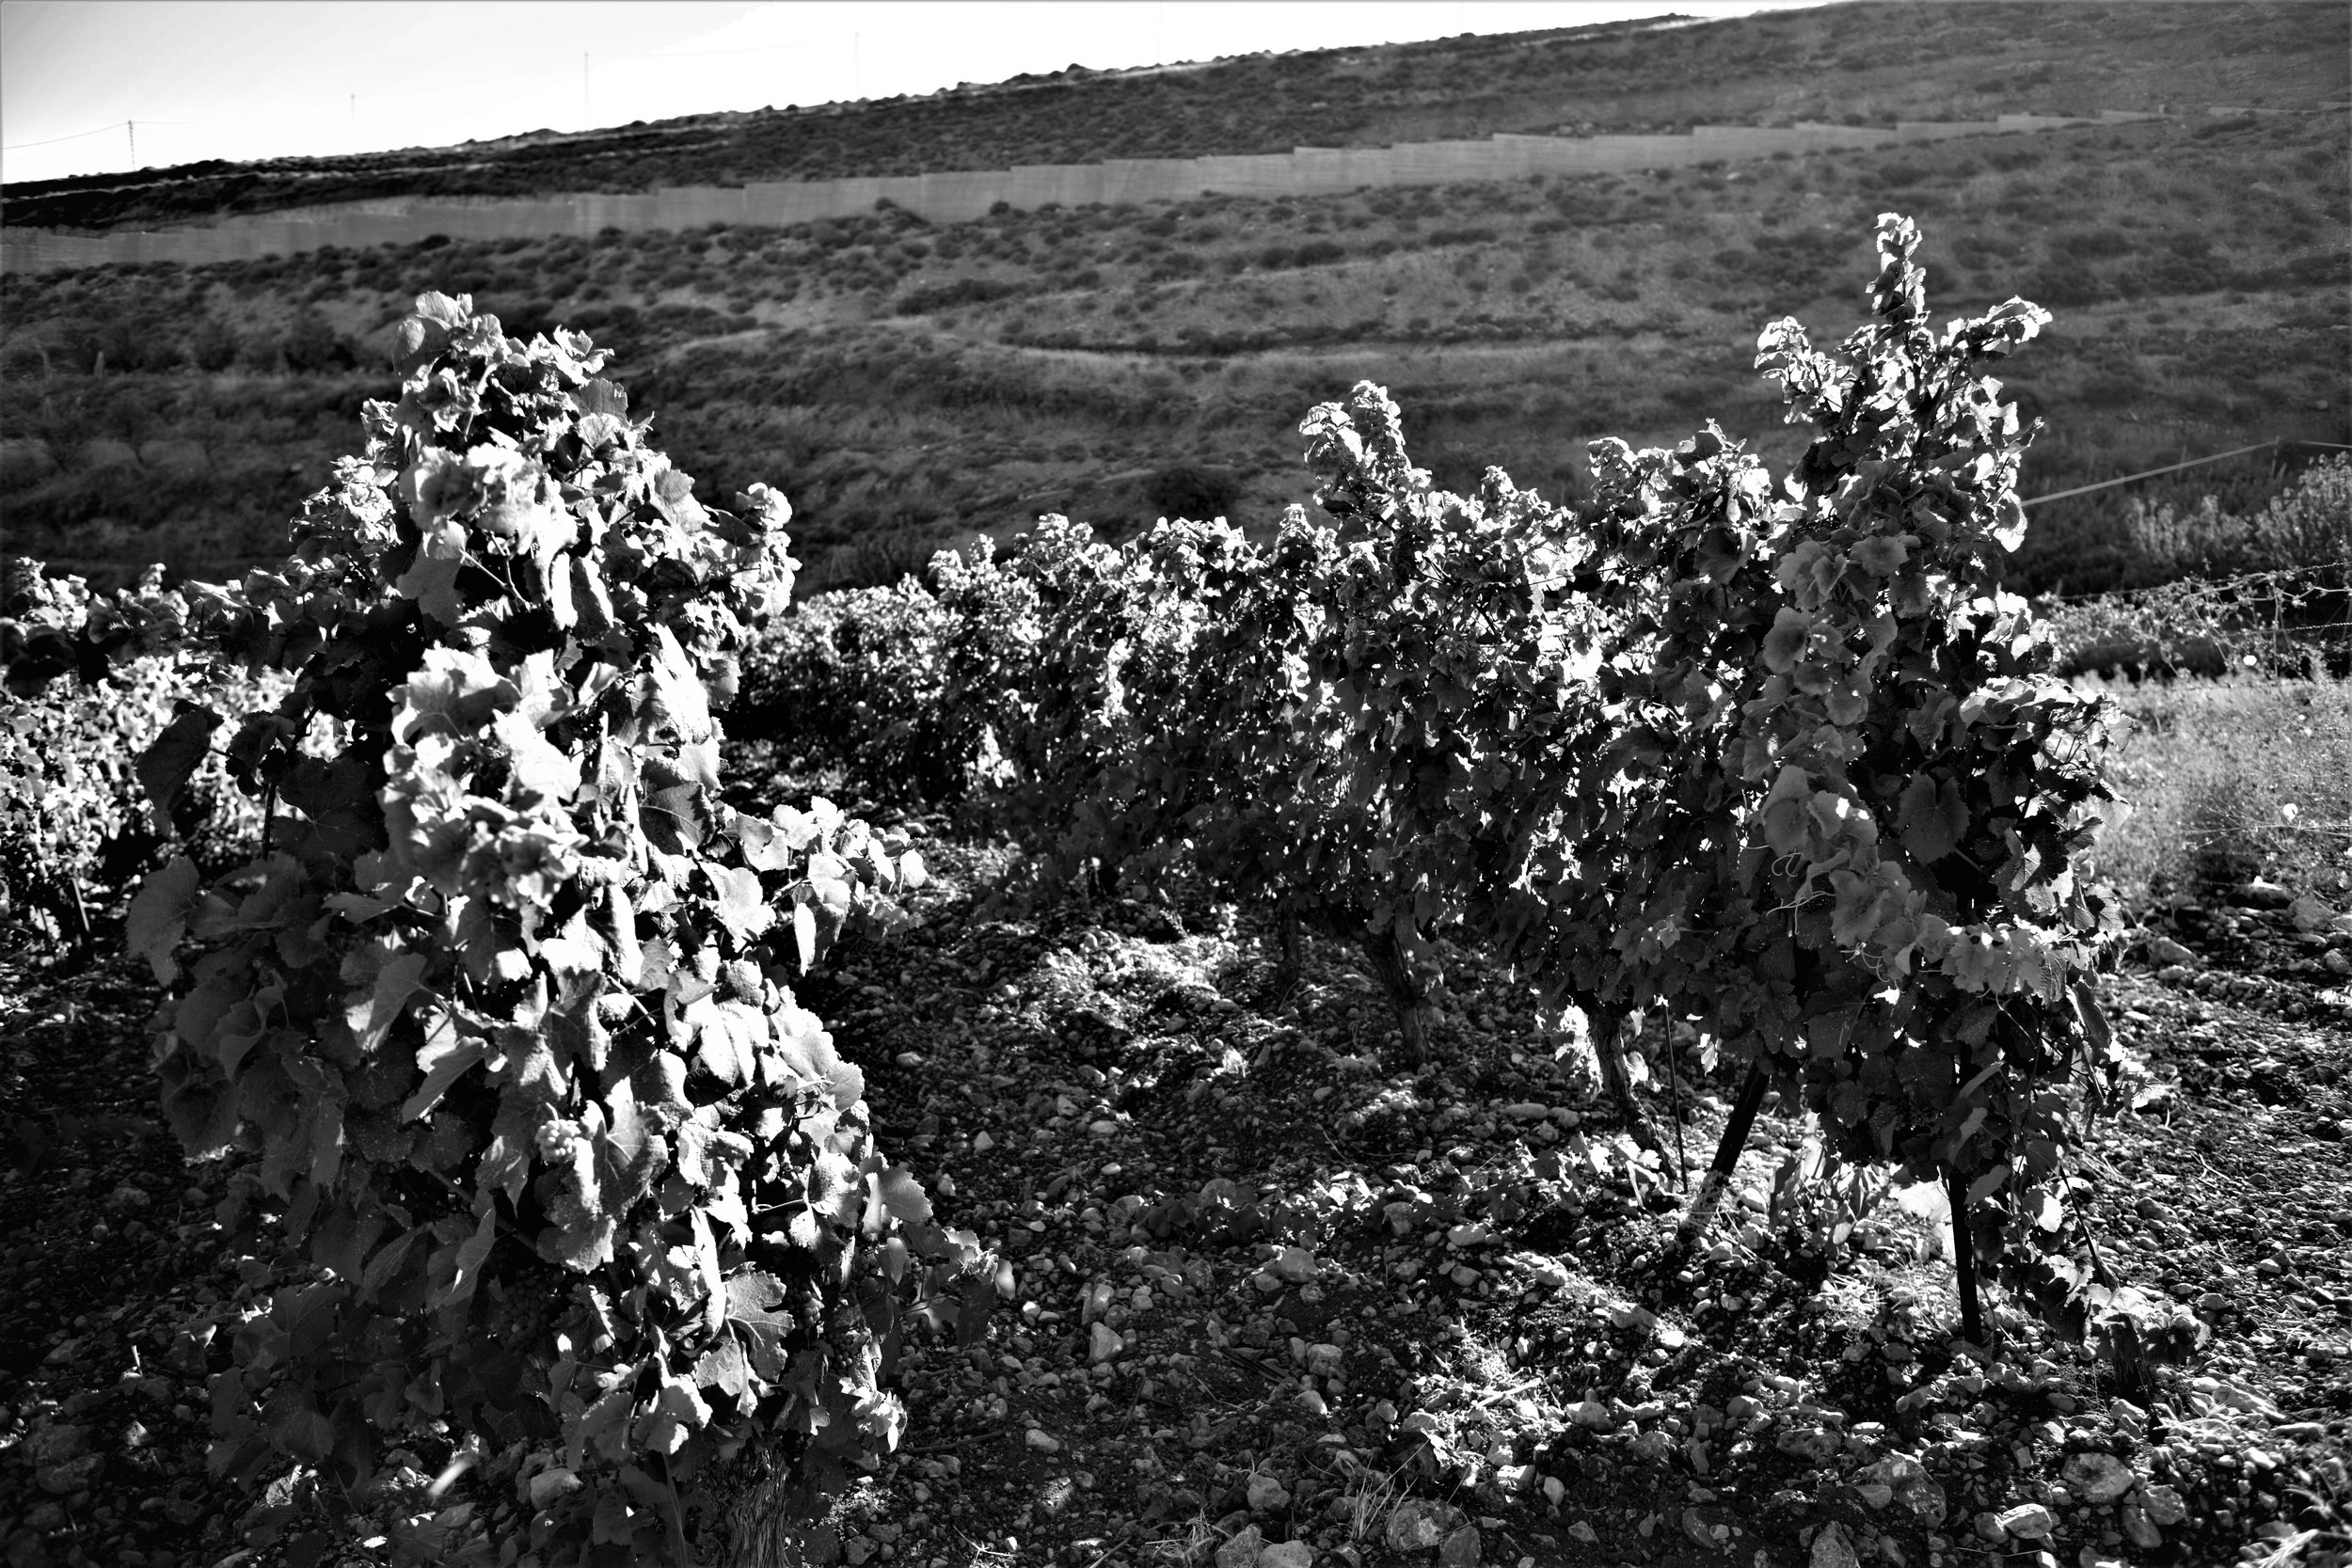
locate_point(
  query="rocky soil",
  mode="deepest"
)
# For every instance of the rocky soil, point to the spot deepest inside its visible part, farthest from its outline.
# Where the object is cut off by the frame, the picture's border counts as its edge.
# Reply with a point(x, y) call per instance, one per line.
point(1272, 1304)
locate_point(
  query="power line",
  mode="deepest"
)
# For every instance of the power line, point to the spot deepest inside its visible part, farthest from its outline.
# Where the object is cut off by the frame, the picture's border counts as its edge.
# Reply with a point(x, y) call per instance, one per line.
point(2173, 467)
point(293, 109)
point(78, 136)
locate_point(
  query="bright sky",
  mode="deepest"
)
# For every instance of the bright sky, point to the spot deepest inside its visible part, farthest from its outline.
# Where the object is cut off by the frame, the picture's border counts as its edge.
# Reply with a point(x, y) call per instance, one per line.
point(243, 79)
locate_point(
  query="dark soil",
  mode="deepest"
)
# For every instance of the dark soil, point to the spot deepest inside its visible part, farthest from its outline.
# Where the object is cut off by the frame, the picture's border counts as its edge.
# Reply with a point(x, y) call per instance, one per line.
point(1262, 1283)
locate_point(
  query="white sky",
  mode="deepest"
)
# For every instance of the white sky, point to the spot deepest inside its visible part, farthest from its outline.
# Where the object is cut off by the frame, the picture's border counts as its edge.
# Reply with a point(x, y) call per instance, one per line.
point(242, 79)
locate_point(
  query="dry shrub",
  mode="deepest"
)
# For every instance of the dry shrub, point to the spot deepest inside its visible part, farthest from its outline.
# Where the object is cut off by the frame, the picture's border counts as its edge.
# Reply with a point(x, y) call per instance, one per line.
point(2231, 778)
point(2268, 591)
point(2308, 526)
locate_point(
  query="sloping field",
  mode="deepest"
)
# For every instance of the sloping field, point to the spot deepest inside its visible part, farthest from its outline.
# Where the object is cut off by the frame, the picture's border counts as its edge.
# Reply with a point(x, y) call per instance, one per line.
point(1852, 65)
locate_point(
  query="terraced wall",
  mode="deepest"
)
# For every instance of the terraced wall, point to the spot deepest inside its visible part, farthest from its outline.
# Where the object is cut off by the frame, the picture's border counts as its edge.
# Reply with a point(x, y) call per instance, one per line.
point(957, 196)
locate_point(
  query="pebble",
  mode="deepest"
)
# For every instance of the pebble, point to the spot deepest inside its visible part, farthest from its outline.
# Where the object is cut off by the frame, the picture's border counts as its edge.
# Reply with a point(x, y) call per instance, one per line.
point(1287, 1554)
point(2137, 1527)
point(1242, 1550)
point(1103, 1342)
point(1293, 1264)
point(1043, 1442)
point(1416, 1525)
point(2261, 895)
point(1913, 1487)
point(68, 1476)
point(2164, 1505)
point(2097, 1478)
point(48, 1444)
point(1705, 1530)
point(1814, 1445)
point(1268, 1495)
point(1460, 1548)
point(2164, 950)
point(1830, 1549)
point(1547, 1272)
point(2027, 1521)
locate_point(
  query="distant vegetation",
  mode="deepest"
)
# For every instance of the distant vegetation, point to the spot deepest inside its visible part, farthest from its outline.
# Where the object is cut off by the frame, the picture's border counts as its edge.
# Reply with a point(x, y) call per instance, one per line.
point(1863, 64)
point(910, 383)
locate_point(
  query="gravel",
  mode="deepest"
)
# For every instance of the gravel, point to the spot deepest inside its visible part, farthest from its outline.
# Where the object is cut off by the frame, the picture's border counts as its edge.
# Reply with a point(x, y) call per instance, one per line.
point(1271, 1303)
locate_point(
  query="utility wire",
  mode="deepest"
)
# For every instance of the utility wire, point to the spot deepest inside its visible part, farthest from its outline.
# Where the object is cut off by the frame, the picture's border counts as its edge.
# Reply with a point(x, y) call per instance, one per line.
point(293, 109)
point(78, 136)
point(2175, 467)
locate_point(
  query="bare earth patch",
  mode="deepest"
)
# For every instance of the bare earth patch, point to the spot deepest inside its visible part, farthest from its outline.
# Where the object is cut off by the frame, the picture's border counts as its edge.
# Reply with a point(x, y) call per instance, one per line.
point(1271, 1304)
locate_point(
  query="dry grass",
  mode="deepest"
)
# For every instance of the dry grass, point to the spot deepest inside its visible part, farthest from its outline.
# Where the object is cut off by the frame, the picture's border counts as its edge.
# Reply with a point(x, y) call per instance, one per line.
point(1195, 1542)
point(2231, 779)
point(1370, 1496)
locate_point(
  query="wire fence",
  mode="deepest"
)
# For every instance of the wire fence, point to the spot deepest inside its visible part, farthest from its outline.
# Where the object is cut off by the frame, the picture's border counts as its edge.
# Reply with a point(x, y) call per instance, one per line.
point(2269, 592)
point(2290, 624)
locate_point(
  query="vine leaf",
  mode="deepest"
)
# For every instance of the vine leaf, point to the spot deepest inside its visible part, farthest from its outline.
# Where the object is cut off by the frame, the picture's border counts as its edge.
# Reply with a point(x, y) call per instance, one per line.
point(159, 916)
point(472, 1254)
point(753, 1298)
point(165, 766)
point(393, 987)
point(1933, 819)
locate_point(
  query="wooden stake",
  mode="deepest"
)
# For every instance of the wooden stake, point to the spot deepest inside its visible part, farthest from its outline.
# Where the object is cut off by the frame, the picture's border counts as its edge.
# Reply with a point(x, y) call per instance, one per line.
point(1718, 1177)
point(1964, 1260)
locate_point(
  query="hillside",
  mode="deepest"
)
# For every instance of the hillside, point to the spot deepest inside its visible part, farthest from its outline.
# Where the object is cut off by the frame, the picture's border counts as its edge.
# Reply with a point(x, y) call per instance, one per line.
point(1855, 65)
point(908, 383)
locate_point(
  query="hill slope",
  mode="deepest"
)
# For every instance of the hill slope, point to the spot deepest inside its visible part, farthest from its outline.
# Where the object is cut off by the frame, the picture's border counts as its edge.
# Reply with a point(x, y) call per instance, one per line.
point(908, 385)
point(1859, 64)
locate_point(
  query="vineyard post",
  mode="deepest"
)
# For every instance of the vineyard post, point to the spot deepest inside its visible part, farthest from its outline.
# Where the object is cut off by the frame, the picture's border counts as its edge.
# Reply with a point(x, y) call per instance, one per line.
point(1718, 1177)
point(1965, 1257)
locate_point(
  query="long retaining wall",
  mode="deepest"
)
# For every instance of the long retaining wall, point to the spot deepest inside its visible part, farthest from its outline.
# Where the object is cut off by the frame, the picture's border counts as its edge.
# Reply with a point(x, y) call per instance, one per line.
point(956, 197)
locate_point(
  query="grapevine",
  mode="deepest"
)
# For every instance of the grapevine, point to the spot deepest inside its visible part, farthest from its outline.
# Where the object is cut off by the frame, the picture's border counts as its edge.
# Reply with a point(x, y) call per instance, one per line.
point(503, 1010)
point(1780, 761)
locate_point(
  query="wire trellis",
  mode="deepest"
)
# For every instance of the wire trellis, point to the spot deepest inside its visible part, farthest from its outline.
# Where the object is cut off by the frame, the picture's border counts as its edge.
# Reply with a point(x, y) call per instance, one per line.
point(2290, 624)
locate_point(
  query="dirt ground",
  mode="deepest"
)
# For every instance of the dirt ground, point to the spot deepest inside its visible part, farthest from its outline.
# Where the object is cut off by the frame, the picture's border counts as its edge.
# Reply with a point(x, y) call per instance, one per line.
point(1274, 1304)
